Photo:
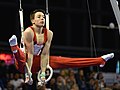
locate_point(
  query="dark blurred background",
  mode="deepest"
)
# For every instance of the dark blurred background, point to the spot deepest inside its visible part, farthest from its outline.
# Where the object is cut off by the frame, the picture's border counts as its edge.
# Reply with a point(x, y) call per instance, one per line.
point(71, 21)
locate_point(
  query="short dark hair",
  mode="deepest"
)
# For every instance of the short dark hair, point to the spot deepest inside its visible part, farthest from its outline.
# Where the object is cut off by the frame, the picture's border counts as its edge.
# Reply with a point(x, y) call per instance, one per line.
point(32, 14)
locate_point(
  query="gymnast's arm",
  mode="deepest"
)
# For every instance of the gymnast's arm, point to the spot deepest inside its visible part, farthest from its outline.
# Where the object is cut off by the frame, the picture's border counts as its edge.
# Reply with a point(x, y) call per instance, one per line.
point(46, 51)
point(28, 40)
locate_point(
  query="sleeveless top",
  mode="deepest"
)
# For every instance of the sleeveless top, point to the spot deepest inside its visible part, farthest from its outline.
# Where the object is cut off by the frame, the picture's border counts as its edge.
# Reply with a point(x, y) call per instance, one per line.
point(39, 47)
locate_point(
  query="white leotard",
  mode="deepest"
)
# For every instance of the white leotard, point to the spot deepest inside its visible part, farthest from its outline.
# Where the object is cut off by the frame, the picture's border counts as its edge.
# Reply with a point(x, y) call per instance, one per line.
point(38, 49)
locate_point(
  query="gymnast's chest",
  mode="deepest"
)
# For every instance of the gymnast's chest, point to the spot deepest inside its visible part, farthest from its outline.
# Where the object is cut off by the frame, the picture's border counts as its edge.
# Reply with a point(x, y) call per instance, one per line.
point(40, 38)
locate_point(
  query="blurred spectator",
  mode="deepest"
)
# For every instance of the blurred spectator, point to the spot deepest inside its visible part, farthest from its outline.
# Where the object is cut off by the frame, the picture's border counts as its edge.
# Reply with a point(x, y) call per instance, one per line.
point(9, 86)
point(74, 87)
point(100, 79)
point(17, 83)
point(116, 86)
point(81, 81)
point(60, 83)
point(91, 84)
point(52, 84)
point(43, 87)
point(71, 81)
point(3, 72)
point(64, 73)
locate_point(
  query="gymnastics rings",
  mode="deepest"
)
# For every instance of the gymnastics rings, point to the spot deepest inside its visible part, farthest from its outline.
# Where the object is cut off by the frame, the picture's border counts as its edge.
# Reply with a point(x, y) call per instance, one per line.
point(50, 76)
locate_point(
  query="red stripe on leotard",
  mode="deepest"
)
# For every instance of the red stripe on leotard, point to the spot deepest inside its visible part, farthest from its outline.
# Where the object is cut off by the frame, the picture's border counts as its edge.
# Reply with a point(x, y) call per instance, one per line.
point(35, 38)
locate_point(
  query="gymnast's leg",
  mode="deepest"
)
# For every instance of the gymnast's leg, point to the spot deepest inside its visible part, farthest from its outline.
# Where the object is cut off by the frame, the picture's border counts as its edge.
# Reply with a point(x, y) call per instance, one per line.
point(58, 62)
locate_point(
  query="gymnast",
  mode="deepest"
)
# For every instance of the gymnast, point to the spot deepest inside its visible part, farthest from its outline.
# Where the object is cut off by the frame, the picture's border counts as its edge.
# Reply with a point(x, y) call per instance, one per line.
point(37, 40)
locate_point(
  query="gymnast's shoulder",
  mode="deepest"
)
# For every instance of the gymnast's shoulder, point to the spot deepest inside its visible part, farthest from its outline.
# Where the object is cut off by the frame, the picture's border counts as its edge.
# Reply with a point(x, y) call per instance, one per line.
point(50, 32)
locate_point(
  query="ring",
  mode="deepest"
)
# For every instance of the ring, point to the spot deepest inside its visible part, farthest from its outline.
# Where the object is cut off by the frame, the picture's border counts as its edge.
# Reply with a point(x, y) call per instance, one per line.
point(50, 76)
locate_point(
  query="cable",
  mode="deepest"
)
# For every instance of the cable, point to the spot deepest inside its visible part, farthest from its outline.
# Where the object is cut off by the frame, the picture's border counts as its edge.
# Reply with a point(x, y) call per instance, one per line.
point(92, 41)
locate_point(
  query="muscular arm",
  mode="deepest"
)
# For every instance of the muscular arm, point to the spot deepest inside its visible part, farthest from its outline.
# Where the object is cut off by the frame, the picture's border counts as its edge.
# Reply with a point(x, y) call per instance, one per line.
point(46, 51)
point(28, 39)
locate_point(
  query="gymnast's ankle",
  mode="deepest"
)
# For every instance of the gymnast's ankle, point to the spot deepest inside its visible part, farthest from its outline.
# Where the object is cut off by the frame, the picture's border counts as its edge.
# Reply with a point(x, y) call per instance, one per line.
point(13, 40)
point(108, 56)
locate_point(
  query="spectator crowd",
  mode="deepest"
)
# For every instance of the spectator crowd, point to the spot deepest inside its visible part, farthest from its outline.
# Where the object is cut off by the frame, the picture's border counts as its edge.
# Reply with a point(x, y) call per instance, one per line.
point(65, 79)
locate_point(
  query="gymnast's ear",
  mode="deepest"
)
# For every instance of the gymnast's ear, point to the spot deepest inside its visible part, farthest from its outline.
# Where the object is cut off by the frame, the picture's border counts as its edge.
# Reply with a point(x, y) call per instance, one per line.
point(32, 21)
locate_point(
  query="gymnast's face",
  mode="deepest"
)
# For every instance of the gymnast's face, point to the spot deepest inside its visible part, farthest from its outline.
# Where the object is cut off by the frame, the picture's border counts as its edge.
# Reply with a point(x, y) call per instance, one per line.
point(39, 19)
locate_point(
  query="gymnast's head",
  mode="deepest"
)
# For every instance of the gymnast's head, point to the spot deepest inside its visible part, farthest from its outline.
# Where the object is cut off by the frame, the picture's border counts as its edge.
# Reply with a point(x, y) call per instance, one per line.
point(37, 17)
